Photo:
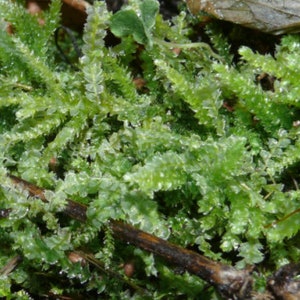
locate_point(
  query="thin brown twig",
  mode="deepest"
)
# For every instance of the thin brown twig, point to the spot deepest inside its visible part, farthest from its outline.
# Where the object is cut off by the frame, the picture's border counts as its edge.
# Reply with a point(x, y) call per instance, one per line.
point(296, 211)
point(100, 265)
point(227, 280)
point(231, 283)
point(11, 265)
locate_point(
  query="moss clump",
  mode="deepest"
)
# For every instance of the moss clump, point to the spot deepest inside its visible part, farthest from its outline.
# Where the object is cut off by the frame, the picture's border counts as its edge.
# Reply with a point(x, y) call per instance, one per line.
point(199, 154)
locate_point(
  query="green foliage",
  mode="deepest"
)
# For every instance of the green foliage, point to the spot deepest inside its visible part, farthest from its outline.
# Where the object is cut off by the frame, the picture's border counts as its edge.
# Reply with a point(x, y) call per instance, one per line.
point(128, 22)
point(201, 155)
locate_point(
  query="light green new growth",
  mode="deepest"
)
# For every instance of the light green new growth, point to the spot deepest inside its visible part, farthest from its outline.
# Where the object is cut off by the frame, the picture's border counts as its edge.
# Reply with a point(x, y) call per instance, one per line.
point(170, 158)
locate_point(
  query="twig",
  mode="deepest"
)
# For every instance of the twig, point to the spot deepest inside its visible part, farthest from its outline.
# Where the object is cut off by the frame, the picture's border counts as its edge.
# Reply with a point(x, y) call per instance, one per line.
point(226, 279)
point(11, 265)
point(231, 283)
point(98, 264)
point(73, 209)
point(296, 211)
point(284, 284)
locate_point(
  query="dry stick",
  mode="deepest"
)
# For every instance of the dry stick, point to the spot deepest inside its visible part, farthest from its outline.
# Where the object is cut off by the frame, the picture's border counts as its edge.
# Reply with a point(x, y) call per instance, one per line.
point(11, 265)
point(73, 209)
point(226, 279)
point(76, 211)
point(98, 264)
point(284, 284)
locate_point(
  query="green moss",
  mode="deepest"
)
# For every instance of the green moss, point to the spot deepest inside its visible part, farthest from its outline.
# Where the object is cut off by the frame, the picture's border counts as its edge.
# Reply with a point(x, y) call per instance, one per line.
point(171, 155)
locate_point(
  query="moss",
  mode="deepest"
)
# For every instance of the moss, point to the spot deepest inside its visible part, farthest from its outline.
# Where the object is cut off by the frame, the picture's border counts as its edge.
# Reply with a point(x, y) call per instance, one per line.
point(199, 154)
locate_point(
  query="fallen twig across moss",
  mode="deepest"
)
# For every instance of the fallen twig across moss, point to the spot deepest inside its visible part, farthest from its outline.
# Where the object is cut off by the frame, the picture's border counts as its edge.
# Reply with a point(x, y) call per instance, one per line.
point(230, 282)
